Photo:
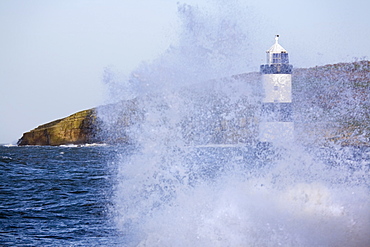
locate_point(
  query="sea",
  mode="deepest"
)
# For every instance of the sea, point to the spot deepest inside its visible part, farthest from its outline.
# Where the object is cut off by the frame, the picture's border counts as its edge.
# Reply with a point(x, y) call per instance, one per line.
point(96, 195)
point(56, 196)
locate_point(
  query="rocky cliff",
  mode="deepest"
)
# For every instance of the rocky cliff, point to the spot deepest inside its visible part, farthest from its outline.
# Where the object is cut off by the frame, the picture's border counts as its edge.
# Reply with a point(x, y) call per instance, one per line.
point(78, 128)
point(331, 104)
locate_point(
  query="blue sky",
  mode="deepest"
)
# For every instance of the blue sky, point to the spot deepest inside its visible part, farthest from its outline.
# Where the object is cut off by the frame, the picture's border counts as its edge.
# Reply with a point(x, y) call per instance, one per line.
point(53, 53)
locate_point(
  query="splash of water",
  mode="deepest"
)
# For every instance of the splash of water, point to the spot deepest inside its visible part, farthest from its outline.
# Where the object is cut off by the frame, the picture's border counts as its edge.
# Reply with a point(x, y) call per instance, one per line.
point(196, 175)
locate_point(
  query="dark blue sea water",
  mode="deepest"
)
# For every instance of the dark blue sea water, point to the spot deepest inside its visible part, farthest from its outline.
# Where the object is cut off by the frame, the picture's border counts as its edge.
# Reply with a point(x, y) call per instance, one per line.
point(98, 196)
point(56, 196)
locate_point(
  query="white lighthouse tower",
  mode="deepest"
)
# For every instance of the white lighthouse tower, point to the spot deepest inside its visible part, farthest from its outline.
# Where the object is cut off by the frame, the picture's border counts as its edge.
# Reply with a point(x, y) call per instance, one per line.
point(276, 124)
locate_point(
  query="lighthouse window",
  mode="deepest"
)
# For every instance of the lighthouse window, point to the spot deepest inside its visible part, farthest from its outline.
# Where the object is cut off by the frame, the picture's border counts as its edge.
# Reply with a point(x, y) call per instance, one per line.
point(280, 58)
point(276, 58)
point(284, 58)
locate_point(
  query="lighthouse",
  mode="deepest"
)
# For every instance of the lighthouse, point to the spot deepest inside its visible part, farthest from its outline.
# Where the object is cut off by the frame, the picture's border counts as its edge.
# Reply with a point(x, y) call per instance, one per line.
point(276, 123)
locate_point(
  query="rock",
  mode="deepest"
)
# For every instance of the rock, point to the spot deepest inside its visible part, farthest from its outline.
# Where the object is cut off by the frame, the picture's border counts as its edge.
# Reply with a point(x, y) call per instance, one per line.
point(78, 128)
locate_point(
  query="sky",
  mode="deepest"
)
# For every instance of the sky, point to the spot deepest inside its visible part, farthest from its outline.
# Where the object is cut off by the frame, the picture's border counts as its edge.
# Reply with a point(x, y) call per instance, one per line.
point(53, 54)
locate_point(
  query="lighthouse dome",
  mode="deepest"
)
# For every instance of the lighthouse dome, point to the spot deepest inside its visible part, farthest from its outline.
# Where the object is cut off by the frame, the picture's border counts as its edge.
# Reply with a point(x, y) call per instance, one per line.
point(277, 54)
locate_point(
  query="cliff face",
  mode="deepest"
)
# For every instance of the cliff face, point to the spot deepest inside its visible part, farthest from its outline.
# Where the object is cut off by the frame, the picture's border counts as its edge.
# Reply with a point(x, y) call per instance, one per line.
point(79, 128)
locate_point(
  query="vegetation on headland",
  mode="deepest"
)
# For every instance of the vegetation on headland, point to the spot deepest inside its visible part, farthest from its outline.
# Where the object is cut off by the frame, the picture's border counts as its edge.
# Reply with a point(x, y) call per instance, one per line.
point(331, 104)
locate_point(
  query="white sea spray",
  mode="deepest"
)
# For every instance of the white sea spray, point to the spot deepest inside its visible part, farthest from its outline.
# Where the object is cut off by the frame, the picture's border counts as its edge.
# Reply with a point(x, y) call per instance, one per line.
point(196, 179)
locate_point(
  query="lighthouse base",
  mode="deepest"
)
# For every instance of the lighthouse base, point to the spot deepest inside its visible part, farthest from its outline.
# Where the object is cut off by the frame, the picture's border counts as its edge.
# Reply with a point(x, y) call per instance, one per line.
point(278, 133)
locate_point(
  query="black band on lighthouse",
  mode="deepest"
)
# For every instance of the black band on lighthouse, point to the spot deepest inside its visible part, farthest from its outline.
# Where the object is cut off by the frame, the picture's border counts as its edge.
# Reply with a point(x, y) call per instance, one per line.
point(276, 69)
